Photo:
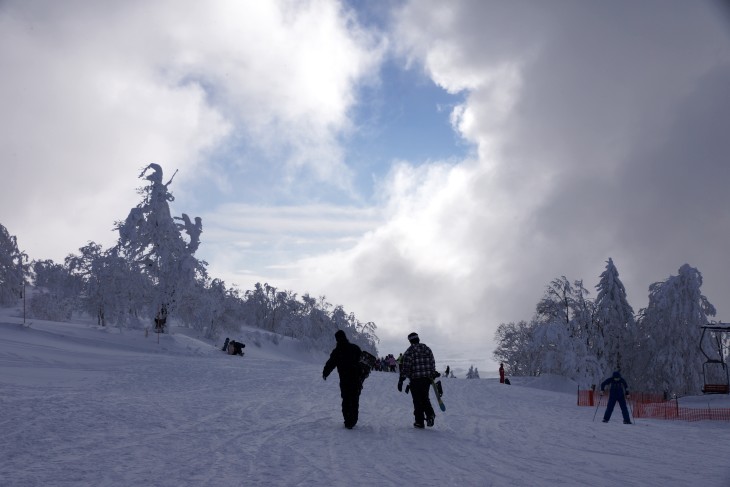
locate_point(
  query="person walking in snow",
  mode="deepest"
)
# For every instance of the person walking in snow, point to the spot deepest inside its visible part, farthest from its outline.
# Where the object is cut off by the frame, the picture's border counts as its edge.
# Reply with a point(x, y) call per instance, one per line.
point(420, 367)
point(501, 373)
point(392, 364)
point(346, 358)
point(618, 391)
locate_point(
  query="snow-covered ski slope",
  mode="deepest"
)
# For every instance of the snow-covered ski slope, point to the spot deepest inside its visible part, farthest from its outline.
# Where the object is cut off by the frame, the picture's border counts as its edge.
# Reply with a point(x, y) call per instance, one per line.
point(81, 406)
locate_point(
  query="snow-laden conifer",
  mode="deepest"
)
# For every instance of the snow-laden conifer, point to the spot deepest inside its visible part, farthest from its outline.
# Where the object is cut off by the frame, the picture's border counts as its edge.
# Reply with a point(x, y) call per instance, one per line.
point(151, 239)
point(671, 327)
point(614, 319)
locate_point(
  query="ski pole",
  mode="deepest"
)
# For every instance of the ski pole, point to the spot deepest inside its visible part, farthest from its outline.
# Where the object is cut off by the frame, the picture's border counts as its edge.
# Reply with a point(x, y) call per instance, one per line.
point(598, 403)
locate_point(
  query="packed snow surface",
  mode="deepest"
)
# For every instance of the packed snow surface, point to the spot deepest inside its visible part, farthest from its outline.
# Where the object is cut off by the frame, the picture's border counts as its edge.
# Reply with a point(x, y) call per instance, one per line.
point(83, 405)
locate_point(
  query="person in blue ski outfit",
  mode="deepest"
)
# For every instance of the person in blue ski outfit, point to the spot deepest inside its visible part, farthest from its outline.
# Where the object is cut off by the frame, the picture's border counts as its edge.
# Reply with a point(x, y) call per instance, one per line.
point(618, 391)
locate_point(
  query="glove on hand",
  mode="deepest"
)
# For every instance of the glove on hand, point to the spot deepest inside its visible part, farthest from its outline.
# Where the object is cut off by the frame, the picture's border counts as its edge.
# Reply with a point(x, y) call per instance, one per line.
point(324, 377)
point(400, 385)
point(408, 388)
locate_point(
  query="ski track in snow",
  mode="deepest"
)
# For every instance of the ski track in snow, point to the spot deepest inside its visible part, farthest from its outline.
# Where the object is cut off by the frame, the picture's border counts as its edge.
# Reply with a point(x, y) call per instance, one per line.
point(82, 406)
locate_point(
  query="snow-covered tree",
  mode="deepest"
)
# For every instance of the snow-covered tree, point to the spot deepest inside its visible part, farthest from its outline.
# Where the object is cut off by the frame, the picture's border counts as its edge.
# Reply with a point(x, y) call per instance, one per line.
point(13, 268)
point(472, 373)
point(671, 327)
point(561, 340)
point(307, 319)
point(614, 319)
point(113, 291)
point(212, 308)
point(57, 291)
point(151, 239)
point(514, 342)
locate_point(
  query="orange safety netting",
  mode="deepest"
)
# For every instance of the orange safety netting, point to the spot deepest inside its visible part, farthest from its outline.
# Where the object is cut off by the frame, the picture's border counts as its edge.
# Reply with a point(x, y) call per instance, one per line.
point(649, 405)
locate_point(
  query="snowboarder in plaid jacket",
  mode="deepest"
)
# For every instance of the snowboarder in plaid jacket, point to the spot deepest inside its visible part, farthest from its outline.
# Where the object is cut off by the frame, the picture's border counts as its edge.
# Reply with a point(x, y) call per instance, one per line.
point(420, 367)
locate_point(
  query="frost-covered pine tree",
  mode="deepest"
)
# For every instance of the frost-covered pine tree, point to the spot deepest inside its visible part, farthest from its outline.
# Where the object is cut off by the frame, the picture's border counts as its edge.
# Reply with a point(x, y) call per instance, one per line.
point(13, 268)
point(561, 341)
point(472, 373)
point(671, 325)
point(614, 319)
point(151, 240)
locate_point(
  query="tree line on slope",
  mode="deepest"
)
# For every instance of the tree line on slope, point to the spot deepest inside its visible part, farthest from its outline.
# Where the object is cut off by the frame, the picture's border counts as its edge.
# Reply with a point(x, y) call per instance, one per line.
point(656, 349)
point(152, 273)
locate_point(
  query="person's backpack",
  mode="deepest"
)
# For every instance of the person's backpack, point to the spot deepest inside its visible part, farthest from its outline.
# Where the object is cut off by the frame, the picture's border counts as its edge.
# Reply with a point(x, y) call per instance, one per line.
point(367, 362)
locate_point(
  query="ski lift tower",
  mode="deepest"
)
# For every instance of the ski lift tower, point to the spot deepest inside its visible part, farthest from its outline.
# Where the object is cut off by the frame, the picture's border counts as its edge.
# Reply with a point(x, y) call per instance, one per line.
point(714, 370)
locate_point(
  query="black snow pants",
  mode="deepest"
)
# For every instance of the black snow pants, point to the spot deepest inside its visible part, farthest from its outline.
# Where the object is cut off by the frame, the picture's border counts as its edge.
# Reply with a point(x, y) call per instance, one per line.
point(612, 399)
point(350, 393)
point(422, 407)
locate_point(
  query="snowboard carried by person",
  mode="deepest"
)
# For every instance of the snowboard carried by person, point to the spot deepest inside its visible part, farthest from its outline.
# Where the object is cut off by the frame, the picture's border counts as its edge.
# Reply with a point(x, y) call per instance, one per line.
point(367, 362)
point(438, 391)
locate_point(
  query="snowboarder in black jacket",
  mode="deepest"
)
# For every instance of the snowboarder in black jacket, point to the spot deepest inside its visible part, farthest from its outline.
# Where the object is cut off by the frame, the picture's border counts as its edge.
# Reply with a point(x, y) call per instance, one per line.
point(618, 392)
point(346, 357)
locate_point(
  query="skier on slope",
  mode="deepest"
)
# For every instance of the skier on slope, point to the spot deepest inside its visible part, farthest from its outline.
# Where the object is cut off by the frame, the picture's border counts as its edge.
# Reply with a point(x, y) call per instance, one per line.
point(618, 392)
point(346, 357)
point(420, 367)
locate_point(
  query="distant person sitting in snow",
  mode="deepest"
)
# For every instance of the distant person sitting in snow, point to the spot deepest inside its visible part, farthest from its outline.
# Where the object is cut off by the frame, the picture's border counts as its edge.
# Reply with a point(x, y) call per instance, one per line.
point(235, 348)
point(619, 391)
point(501, 373)
point(346, 357)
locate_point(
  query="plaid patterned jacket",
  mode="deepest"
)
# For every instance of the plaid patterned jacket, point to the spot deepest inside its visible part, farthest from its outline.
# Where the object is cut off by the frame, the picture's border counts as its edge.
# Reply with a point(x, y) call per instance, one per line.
point(418, 362)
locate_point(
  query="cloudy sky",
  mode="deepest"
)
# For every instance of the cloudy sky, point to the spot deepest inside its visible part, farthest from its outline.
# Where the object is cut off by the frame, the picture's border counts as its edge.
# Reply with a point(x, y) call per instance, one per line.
point(429, 165)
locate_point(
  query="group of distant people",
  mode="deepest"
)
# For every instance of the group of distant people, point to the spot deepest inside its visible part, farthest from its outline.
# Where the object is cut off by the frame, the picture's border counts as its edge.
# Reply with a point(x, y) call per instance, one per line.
point(416, 364)
point(387, 364)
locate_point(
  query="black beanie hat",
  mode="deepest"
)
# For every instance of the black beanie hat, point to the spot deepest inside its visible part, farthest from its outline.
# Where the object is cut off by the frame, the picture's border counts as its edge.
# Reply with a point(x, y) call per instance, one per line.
point(413, 337)
point(340, 336)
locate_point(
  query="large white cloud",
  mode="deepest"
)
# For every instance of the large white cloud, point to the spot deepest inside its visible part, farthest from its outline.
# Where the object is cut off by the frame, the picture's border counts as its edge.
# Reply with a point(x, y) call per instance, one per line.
point(598, 134)
point(91, 92)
